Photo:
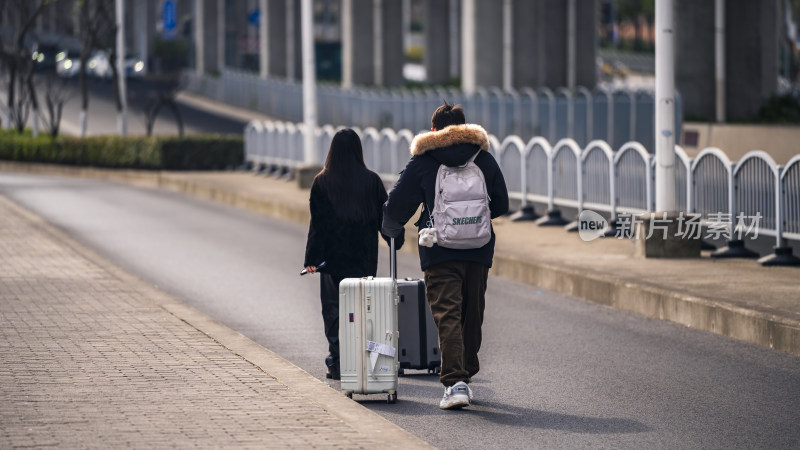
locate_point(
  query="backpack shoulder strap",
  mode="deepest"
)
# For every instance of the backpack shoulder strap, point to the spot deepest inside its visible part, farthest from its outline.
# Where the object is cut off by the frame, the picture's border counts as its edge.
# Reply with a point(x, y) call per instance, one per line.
point(471, 159)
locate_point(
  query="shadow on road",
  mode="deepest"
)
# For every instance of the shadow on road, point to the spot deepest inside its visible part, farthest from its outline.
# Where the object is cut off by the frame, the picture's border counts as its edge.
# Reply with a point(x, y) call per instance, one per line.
point(533, 418)
point(512, 416)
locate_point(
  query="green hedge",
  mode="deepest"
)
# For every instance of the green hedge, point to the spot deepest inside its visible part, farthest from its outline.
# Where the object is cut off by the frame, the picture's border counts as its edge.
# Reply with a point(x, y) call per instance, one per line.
point(780, 109)
point(195, 152)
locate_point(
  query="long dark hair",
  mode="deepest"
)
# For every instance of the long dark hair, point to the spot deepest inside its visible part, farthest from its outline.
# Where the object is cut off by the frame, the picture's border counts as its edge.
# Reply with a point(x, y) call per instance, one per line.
point(347, 182)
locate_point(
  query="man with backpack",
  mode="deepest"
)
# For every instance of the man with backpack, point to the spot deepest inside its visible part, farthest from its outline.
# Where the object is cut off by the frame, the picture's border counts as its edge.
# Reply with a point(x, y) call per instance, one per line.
point(461, 187)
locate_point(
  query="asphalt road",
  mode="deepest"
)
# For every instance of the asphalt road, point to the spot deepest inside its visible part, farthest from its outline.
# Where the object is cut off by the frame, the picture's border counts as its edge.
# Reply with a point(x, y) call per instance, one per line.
point(103, 113)
point(557, 371)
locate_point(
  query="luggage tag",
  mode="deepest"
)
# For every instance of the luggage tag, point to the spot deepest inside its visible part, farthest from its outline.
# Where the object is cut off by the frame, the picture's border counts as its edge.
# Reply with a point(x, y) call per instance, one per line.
point(376, 349)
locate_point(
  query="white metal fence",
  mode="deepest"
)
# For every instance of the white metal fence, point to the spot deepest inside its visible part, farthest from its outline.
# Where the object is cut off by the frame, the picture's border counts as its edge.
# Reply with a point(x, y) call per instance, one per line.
point(612, 116)
point(593, 176)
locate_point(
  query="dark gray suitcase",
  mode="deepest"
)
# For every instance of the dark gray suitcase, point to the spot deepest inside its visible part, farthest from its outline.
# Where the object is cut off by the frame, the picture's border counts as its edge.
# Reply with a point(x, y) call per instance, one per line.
point(419, 338)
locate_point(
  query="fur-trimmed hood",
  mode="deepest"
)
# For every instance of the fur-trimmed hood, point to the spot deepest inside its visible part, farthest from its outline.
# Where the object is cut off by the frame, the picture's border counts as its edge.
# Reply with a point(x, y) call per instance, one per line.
point(449, 136)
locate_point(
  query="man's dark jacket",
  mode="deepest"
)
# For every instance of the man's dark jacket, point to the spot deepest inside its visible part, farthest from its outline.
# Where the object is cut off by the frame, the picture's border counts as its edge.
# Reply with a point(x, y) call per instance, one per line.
point(451, 146)
point(349, 248)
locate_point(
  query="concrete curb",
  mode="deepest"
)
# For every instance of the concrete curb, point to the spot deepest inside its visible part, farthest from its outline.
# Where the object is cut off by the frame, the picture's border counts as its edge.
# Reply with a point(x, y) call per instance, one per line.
point(767, 330)
point(356, 416)
point(752, 326)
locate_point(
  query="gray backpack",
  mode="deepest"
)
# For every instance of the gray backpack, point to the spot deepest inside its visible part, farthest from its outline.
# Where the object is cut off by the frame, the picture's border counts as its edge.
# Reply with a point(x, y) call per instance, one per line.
point(461, 213)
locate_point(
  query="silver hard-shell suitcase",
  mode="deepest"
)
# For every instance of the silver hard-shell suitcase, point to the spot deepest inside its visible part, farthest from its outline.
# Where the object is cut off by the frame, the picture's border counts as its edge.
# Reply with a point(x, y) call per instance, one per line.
point(368, 334)
point(419, 338)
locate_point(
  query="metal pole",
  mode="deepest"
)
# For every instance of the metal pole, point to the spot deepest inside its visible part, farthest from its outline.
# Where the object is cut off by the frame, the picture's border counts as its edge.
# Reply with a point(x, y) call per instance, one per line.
point(551, 204)
point(508, 42)
point(719, 56)
point(309, 81)
point(220, 35)
point(779, 212)
point(406, 23)
point(140, 14)
point(122, 117)
point(468, 46)
point(290, 44)
point(455, 48)
point(263, 38)
point(571, 44)
point(199, 30)
point(665, 108)
point(732, 198)
point(347, 43)
point(377, 35)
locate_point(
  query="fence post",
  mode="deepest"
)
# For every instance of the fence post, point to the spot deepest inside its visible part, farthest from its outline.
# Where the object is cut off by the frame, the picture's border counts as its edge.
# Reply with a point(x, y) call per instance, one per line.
point(633, 97)
point(649, 184)
point(689, 185)
point(589, 111)
point(292, 131)
point(266, 143)
point(553, 217)
point(261, 148)
point(248, 132)
point(551, 113)
point(610, 113)
point(782, 253)
point(575, 225)
point(395, 149)
point(497, 97)
point(570, 111)
point(526, 212)
point(735, 247)
point(507, 163)
point(516, 106)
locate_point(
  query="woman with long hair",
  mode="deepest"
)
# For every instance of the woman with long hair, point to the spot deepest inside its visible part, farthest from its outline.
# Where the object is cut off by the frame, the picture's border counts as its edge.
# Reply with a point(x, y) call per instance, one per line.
point(346, 211)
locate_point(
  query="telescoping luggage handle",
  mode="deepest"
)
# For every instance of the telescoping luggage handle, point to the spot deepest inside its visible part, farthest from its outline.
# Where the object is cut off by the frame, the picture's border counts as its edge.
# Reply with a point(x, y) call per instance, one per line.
point(393, 260)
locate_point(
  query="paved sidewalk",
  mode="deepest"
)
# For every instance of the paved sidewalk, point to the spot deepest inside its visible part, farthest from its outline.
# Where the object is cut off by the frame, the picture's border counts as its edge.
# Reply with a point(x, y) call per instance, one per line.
point(93, 357)
point(734, 298)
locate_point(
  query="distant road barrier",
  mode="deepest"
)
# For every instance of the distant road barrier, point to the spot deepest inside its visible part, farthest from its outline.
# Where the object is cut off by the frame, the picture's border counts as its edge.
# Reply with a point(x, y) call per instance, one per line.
point(566, 175)
point(613, 116)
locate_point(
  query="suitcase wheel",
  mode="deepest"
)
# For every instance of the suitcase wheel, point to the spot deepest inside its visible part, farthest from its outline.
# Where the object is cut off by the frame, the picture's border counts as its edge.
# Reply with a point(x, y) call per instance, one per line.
point(349, 394)
point(391, 398)
point(401, 372)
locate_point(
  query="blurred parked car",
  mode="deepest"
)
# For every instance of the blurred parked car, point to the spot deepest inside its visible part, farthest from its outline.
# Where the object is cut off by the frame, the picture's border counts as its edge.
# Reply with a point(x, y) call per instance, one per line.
point(99, 66)
point(68, 63)
point(134, 66)
point(44, 56)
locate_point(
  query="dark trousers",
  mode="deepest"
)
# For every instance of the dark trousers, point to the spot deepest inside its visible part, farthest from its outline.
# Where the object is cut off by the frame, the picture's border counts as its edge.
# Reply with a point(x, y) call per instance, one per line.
point(329, 295)
point(456, 293)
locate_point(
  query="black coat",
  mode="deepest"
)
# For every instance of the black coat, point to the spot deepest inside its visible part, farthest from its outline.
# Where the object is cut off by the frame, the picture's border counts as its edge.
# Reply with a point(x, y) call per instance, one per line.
point(350, 249)
point(452, 146)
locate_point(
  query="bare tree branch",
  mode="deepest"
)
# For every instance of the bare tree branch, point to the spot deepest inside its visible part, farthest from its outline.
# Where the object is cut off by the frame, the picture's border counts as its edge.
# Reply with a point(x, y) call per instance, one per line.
point(56, 95)
point(20, 90)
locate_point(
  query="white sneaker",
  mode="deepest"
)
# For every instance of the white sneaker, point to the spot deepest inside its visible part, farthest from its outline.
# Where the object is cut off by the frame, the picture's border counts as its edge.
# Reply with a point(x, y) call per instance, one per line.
point(456, 396)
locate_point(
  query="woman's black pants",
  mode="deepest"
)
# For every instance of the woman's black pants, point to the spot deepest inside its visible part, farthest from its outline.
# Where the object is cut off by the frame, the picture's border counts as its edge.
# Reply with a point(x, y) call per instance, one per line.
point(329, 295)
